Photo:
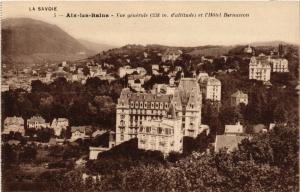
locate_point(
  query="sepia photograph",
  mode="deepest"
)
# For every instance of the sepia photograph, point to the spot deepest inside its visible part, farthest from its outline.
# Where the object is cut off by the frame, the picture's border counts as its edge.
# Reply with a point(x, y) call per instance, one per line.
point(140, 96)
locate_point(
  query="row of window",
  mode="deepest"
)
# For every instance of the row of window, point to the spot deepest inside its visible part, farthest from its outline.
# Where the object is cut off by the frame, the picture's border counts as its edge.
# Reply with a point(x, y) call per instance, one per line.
point(159, 130)
point(145, 112)
point(145, 105)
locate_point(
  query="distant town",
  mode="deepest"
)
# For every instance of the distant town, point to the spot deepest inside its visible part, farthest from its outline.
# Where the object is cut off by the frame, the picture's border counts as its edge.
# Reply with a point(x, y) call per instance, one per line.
point(148, 104)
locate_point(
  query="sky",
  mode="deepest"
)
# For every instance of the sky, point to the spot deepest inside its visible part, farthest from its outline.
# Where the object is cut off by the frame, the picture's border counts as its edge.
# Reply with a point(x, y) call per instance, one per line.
point(267, 21)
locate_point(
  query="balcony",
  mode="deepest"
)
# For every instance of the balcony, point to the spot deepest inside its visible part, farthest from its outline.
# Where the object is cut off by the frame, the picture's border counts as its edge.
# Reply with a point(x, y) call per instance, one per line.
point(121, 126)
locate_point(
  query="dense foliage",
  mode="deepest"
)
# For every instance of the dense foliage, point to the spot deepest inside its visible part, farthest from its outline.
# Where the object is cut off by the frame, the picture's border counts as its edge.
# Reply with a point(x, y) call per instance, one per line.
point(89, 104)
point(267, 162)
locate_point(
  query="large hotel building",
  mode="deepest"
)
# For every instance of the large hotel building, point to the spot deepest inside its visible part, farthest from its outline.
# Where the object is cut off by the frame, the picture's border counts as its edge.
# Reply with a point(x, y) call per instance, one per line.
point(160, 121)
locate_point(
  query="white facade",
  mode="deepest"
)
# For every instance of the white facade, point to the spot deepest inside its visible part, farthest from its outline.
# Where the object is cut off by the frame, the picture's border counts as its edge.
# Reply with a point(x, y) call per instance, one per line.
point(280, 65)
point(260, 68)
point(136, 82)
point(171, 55)
point(234, 129)
point(239, 97)
point(210, 87)
point(78, 132)
point(94, 151)
point(125, 70)
point(59, 124)
point(128, 70)
point(162, 135)
point(37, 122)
point(4, 87)
point(248, 49)
point(135, 110)
point(14, 124)
point(202, 76)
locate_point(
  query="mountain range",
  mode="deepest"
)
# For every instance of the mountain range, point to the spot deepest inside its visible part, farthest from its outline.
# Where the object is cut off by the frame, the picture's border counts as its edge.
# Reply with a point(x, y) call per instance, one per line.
point(29, 41)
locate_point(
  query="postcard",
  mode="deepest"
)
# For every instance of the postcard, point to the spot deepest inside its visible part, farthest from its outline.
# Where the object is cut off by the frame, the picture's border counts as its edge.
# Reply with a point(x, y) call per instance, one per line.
point(150, 96)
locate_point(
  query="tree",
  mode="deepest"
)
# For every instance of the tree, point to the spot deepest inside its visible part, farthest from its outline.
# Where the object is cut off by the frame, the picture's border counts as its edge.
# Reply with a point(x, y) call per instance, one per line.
point(38, 86)
point(44, 134)
point(28, 154)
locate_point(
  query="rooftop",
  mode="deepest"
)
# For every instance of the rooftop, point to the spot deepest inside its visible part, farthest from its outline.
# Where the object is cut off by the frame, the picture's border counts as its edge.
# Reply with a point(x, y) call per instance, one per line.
point(38, 119)
point(229, 142)
point(239, 94)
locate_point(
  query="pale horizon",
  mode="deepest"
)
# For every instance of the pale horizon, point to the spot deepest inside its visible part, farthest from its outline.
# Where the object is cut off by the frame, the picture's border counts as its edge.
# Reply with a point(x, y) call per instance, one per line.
point(262, 25)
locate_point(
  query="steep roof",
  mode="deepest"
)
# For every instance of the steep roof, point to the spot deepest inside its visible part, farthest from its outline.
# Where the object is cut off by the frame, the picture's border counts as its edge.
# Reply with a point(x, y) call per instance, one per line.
point(13, 120)
point(239, 94)
point(213, 81)
point(38, 119)
point(78, 128)
point(188, 87)
point(149, 97)
point(260, 60)
point(173, 51)
point(238, 128)
point(230, 142)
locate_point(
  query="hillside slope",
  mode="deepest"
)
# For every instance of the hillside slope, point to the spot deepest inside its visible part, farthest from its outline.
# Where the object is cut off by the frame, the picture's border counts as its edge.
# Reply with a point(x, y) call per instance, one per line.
point(36, 41)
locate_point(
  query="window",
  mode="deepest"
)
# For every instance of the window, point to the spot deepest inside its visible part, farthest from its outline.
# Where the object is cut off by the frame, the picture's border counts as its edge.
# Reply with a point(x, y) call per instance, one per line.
point(132, 104)
point(141, 104)
point(159, 130)
point(152, 105)
point(148, 129)
point(156, 105)
point(145, 105)
point(122, 137)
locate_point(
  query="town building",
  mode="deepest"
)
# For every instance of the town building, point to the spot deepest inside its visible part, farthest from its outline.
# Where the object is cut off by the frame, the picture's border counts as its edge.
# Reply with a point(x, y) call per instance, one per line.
point(97, 71)
point(128, 70)
point(202, 76)
point(236, 129)
point(249, 50)
point(228, 143)
point(210, 88)
point(4, 87)
point(166, 68)
point(172, 82)
point(163, 135)
point(94, 151)
point(260, 68)
point(136, 82)
point(163, 89)
point(98, 133)
point(125, 70)
point(238, 97)
point(155, 69)
point(58, 125)
point(141, 71)
point(135, 110)
point(178, 68)
point(14, 124)
point(48, 77)
point(206, 60)
point(280, 65)
point(171, 55)
point(79, 132)
point(37, 122)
